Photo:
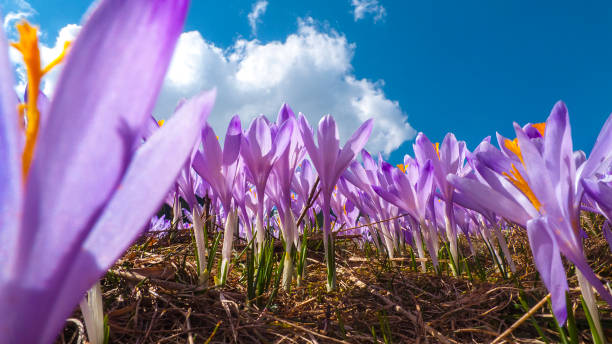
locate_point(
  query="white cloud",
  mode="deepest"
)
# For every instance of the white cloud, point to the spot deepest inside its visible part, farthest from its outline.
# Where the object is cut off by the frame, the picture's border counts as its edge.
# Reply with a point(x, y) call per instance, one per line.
point(15, 10)
point(259, 9)
point(311, 71)
point(362, 8)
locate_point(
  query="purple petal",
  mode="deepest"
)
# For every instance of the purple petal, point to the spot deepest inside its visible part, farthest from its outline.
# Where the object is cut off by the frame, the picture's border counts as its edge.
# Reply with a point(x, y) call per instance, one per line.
point(231, 144)
point(212, 150)
point(354, 145)
point(368, 162)
point(260, 136)
point(307, 138)
point(103, 98)
point(558, 143)
point(150, 175)
point(283, 138)
point(489, 198)
point(329, 146)
point(449, 154)
point(537, 175)
point(423, 151)
point(548, 261)
point(601, 153)
point(424, 185)
point(601, 193)
point(284, 114)
point(11, 187)
point(495, 159)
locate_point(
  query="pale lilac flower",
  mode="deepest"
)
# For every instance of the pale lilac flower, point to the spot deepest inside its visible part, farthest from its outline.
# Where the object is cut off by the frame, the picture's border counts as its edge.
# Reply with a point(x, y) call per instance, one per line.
point(330, 161)
point(87, 195)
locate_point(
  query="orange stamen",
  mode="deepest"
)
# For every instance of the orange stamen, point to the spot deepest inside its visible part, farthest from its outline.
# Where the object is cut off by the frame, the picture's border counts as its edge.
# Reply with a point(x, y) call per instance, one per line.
point(541, 127)
point(437, 147)
point(28, 47)
point(517, 180)
point(513, 146)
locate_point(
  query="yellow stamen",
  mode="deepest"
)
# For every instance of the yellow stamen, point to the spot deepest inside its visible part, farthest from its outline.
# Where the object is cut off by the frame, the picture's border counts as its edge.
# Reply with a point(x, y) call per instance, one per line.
point(160, 122)
point(402, 168)
point(28, 47)
point(344, 208)
point(58, 59)
point(517, 180)
point(437, 147)
point(541, 127)
point(513, 146)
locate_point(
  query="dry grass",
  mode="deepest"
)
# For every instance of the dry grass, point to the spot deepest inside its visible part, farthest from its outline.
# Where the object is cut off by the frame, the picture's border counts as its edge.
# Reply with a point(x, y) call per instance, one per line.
point(151, 297)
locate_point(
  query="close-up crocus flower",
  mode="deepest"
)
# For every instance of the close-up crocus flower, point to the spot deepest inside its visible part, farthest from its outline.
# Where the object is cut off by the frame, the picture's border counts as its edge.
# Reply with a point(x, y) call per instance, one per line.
point(61, 226)
point(542, 194)
point(330, 161)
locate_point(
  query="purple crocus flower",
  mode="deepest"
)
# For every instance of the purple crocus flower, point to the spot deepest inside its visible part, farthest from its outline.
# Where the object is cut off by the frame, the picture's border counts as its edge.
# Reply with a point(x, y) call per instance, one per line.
point(365, 177)
point(218, 167)
point(543, 193)
point(279, 189)
point(64, 219)
point(412, 196)
point(330, 161)
point(447, 158)
point(260, 149)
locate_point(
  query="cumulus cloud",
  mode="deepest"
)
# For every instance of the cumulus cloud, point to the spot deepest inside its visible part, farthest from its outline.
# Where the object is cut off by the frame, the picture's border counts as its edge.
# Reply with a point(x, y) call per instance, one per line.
point(310, 70)
point(259, 9)
point(362, 8)
point(15, 10)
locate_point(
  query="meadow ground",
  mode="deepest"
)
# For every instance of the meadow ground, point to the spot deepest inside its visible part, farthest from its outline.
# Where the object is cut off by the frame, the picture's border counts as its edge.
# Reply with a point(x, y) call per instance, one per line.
point(151, 296)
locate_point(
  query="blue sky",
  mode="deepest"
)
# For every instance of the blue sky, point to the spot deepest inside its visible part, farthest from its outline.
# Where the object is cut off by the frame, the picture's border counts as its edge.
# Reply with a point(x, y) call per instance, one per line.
point(468, 67)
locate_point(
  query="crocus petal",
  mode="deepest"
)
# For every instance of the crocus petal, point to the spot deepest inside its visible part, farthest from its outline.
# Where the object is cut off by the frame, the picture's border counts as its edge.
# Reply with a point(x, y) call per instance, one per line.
point(495, 159)
point(449, 154)
point(283, 139)
point(558, 144)
point(10, 167)
point(424, 185)
point(548, 261)
point(231, 145)
point(354, 144)
point(212, 149)
point(104, 95)
point(307, 138)
point(260, 136)
point(601, 152)
point(489, 198)
point(601, 193)
point(150, 175)
point(537, 175)
point(329, 145)
point(423, 151)
point(284, 114)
